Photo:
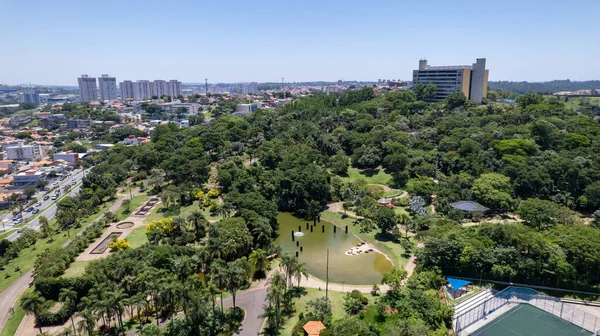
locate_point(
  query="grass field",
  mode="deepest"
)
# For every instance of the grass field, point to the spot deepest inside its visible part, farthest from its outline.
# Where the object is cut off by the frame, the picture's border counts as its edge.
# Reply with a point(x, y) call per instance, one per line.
point(137, 237)
point(12, 323)
point(374, 176)
point(26, 259)
point(5, 234)
point(77, 268)
point(391, 249)
point(336, 299)
point(392, 193)
point(184, 212)
point(136, 202)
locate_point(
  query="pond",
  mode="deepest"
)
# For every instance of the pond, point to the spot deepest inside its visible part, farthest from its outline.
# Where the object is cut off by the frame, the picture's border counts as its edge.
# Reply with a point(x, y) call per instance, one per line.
point(361, 269)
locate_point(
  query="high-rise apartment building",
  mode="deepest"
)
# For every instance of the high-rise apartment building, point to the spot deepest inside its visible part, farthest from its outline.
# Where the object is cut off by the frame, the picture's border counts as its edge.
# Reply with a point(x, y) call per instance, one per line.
point(30, 98)
point(472, 80)
point(126, 88)
point(88, 91)
point(142, 89)
point(249, 88)
point(159, 88)
point(173, 88)
point(108, 87)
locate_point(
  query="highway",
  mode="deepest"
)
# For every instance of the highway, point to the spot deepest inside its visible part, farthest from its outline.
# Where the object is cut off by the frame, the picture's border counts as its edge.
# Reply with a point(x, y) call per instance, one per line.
point(49, 206)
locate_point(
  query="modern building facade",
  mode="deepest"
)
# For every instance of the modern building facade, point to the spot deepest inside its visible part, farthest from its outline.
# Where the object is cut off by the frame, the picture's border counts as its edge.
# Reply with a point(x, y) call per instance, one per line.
point(22, 151)
point(173, 88)
point(160, 88)
point(108, 87)
point(88, 90)
point(29, 177)
point(249, 88)
point(30, 98)
point(126, 88)
point(142, 89)
point(472, 80)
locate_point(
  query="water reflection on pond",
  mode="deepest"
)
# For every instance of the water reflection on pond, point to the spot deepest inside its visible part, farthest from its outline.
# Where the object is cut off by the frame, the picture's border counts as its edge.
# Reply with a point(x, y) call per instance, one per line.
point(362, 269)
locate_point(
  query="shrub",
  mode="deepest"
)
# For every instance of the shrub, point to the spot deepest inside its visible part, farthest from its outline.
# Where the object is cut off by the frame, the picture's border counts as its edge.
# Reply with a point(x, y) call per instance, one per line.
point(213, 193)
point(119, 245)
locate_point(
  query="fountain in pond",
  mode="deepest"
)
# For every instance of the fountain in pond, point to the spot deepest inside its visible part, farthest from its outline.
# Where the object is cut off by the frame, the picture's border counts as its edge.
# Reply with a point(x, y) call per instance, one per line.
point(298, 234)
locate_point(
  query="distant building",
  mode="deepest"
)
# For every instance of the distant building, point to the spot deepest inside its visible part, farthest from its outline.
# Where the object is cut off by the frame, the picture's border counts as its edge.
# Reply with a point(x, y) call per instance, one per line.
point(242, 109)
point(7, 164)
point(108, 87)
point(142, 89)
point(30, 98)
point(88, 90)
point(22, 151)
point(29, 177)
point(160, 88)
point(173, 88)
point(69, 157)
point(133, 140)
point(126, 88)
point(78, 123)
point(103, 146)
point(249, 88)
point(472, 80)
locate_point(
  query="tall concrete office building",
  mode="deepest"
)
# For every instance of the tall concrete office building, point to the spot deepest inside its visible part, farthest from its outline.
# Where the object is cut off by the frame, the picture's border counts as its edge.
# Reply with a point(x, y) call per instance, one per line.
point(472, 80)
point(249, 88)
point(30, 97)
point(173, 88)
point(126, 88)
point(142, 89)
point(108, 87)
point(88, 91)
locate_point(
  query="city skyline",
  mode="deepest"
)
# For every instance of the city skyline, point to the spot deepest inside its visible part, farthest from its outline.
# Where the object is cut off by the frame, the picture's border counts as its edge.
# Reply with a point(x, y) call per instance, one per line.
point(315, 41)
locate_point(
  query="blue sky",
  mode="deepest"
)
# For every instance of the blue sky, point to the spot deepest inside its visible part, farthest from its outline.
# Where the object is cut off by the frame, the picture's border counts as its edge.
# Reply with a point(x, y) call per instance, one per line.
point(53, 42)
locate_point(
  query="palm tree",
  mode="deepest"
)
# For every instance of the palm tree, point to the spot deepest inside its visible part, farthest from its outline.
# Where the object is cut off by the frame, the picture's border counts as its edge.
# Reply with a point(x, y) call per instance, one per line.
point(276, 292)
point(299, 271)
point(116, 300)
point(212, 290)
point(199, 222)
point(287, 262)
point(69, 297)
point(33, 303)
point(88, 321)
point(219, 277)
point(46, 228)
point(404, 220)
point(258, 259)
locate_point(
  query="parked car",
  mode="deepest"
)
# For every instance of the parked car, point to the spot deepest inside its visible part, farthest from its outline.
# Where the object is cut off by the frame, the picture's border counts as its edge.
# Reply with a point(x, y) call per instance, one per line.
point(54, 197)
point(38, 204)
point(35, 211)
point(30, 209)
point(46, 198)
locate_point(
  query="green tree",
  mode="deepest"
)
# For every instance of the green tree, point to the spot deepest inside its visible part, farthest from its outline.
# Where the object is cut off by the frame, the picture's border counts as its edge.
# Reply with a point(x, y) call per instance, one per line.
point(29, 191)
point(339, 164)
point(258, 259)
point(46, 228)
point(592, 193)
point(455, 100)
point(299, 271)
point(494, 190)
point(352, 303)
point(33, 303)
point(394, 278)
point(69, 297)
point(385, 218)
point(320, 308)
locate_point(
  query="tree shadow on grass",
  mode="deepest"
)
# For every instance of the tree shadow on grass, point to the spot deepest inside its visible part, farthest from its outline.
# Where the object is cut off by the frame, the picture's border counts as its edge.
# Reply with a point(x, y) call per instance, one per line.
point(369, 172)
point(384, 237)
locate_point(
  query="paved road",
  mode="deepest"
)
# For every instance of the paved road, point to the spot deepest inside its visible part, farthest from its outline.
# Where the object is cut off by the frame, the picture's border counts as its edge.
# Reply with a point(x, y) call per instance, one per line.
point(252, 301)
point(49, 205)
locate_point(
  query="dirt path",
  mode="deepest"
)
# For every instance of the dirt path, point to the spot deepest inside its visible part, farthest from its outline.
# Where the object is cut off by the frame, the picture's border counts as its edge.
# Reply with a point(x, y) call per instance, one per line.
point(337, 207)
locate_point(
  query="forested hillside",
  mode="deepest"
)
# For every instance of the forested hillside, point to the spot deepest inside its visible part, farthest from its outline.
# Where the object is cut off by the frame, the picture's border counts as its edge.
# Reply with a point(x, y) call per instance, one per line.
point(544, 87)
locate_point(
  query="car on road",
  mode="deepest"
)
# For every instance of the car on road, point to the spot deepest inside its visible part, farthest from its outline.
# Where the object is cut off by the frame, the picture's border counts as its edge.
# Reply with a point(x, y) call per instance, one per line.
point(35, 211)
point(74, 183)
point(38, 204)
point(55, 183)
point(30, 209)
point(54, 197)
point(46, 198)
point(46, 188)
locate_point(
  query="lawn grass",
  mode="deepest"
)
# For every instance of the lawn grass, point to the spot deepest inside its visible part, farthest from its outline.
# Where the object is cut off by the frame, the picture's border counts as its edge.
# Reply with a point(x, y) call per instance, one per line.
point(137, 237)
point(12, 323)
point(393, 250)
point(77, 268)
point(184, 211)
point(372, 176)
point(26, 259)
point(5, 234)
point(400, 210)
point(136, 202)
point(337, 307)
point(392, 193)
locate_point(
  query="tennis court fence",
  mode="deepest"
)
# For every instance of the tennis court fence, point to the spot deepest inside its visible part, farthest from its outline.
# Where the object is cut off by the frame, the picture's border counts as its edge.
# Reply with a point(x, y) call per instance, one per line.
point(516, 295)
